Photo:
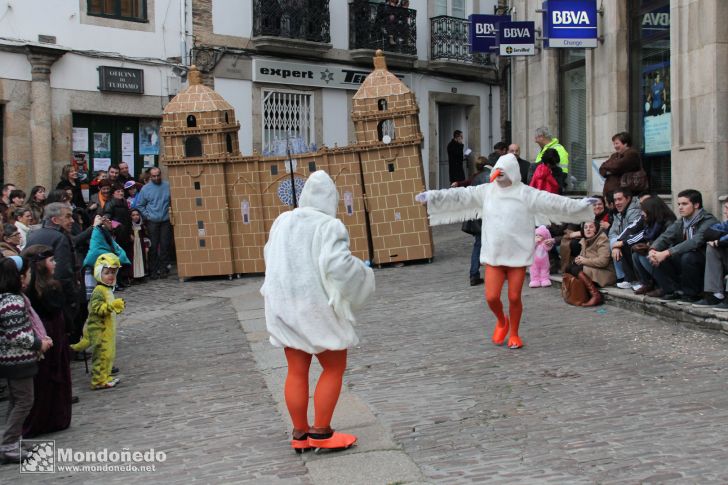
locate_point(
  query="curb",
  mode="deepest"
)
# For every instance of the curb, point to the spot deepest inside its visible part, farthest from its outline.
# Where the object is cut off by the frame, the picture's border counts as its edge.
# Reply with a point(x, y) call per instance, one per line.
point(682, 313)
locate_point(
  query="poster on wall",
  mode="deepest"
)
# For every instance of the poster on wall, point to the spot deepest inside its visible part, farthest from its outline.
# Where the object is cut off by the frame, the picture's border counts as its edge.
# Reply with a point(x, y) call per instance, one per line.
point(656, 115)
point(80, 140)
point(148, 161)
point(101, 164)
point(102, 145)
point(127, 143)
point(149, 137)
point(128, 158)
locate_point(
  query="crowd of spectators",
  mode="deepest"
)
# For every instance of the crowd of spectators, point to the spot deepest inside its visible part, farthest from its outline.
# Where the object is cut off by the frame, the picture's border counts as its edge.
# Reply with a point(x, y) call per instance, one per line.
point(50, 242)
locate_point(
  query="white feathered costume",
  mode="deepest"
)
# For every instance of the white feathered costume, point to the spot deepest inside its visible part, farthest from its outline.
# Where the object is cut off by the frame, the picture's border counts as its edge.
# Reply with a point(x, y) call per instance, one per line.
point(509, 214)
point(312, 281)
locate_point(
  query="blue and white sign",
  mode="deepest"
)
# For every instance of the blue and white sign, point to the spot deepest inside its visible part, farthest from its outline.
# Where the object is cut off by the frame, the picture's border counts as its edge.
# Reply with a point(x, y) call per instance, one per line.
point(484, 31)
point(570, 23)
point(516, 38)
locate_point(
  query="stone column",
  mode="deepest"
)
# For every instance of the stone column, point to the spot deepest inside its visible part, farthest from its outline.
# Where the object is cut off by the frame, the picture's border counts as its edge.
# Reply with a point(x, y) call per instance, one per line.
point(41, 59)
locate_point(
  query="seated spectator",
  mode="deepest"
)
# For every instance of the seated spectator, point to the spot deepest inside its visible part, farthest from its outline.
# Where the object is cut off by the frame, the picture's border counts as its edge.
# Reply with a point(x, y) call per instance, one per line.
point(543, 177)
point(593, 265)
point(602, 216)
point(716, 264)
point(657, 216)
point(627, 211)
point(10, 240)
point(569, 246)
point(678, 255)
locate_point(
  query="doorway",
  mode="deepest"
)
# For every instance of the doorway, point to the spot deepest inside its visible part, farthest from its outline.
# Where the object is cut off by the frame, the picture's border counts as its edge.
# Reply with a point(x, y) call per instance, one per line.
point(450, 117)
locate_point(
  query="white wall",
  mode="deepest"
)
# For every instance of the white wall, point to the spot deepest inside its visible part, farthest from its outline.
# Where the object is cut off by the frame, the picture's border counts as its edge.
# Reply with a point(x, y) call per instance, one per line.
point(14, 66)
point(232, 17)
point(240, 95)
point(335, 116)
point(24, 20)
point(79, 73)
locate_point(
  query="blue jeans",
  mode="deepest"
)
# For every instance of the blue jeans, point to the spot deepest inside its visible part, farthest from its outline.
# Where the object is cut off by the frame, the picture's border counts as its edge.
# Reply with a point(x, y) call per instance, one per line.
point(475, 258)
point(644, 268)
point(617, 264)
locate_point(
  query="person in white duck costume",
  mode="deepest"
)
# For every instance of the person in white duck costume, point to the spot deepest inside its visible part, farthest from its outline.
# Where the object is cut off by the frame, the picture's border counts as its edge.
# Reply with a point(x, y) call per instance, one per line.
point(509, 210)
point(312, 285)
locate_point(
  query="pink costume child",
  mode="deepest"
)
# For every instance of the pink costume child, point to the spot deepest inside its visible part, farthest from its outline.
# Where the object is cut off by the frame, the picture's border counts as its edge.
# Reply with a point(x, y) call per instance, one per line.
point(539, 270)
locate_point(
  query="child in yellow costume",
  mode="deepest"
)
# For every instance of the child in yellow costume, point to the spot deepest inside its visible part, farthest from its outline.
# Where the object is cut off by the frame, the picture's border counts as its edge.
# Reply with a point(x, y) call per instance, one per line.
point(100, 328)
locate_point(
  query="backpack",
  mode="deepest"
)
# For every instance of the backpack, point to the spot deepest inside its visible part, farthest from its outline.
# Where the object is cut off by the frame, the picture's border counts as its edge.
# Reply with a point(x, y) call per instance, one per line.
point(573, 290)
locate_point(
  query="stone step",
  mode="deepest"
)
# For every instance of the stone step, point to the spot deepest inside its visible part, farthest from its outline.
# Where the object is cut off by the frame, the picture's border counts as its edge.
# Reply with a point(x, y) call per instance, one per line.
point(683, 313)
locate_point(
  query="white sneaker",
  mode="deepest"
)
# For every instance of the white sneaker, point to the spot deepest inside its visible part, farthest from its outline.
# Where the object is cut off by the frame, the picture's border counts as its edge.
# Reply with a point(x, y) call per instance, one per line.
point(624, 285)
point(637, 286)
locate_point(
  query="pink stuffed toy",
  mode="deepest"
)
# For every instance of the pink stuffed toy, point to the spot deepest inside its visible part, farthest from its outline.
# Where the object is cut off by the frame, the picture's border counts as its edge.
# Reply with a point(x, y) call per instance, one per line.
point(540, 268)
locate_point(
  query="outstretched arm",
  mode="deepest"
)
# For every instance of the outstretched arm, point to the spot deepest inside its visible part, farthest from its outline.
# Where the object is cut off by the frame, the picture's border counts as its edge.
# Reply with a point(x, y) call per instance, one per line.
point(557, 208)
point(454, 205)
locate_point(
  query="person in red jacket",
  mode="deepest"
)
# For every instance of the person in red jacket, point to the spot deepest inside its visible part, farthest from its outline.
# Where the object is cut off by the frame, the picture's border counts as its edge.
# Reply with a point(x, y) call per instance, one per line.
point(543, 177)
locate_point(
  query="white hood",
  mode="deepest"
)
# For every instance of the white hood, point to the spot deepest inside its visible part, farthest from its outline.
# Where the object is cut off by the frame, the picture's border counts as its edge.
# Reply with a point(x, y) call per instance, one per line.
point(509, 165)
point(320, 193)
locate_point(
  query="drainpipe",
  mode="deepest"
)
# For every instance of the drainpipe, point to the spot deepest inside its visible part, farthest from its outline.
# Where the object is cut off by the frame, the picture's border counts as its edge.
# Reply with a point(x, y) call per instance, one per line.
point(490, 118)
point(183, 31)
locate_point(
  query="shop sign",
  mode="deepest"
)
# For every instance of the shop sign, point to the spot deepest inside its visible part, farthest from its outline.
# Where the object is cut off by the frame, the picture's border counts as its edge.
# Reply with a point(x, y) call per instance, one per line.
point(484, 31)
point(517, 39)
point(121, 79)
point(570, 23)
point(319, 75)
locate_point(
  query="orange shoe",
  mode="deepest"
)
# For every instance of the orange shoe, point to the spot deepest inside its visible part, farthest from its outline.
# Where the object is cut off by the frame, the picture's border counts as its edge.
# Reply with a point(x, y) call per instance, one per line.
point(515, 342)
point(330, 440)
point(500, 332)
point(299, 441)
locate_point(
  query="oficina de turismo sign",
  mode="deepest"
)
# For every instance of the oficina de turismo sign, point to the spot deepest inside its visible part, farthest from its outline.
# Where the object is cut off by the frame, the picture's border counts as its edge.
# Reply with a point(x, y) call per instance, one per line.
point(484, 31)
point(570, 23)
point(516, 38)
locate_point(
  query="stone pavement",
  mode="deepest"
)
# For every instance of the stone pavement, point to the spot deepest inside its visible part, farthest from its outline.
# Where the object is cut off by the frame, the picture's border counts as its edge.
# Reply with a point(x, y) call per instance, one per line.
point(596, 395)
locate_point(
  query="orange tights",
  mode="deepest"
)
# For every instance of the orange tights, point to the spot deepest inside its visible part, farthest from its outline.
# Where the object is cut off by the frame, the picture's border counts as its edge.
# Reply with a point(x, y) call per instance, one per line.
point(495, 276)
point(327, 389)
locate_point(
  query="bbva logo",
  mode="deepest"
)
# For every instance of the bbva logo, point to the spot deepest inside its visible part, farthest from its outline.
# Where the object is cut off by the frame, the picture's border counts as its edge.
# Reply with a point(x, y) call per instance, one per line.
point(484, 29)
point(516, 32)
point(661, 19)
point(568, 17)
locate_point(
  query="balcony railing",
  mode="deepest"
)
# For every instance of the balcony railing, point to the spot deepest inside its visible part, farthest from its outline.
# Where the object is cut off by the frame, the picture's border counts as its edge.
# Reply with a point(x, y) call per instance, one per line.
point(382, 26)
point(450, 40)
point(293, 19)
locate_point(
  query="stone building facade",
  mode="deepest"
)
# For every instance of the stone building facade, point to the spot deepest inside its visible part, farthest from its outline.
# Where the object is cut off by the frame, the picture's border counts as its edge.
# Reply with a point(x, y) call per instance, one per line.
point(657, 73)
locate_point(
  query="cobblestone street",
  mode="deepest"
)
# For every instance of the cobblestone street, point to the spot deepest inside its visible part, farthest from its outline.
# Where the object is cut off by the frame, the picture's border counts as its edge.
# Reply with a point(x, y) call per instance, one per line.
point(595, 396)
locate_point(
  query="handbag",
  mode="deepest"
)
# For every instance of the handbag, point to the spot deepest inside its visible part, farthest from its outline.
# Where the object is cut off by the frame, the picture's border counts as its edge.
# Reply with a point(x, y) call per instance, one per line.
point(573, 290)
point(640, 248)
point(472, 227)
point(635, 182)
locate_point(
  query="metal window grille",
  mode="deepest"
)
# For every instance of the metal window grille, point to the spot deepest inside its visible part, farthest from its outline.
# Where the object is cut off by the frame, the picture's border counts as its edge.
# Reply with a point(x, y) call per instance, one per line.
point(287, 122)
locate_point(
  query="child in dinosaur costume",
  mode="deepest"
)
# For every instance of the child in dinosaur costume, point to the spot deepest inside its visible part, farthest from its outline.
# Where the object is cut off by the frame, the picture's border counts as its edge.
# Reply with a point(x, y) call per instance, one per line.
point(100, 328)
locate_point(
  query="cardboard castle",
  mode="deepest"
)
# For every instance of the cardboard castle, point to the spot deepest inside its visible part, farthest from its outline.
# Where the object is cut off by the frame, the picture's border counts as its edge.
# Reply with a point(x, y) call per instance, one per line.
point(224, 203)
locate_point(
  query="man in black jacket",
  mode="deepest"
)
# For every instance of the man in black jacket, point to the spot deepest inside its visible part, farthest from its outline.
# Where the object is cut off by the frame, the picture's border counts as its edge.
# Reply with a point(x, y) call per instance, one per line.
point(56, 233)
point(455, 157)
point(678, 255)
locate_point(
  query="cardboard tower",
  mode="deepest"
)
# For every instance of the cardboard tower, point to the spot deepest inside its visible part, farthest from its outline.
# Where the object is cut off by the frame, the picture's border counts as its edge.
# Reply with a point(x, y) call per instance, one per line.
point(223, 204)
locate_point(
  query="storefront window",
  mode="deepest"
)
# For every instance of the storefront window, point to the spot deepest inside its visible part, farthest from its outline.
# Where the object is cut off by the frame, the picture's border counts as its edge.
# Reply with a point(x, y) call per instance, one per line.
point(650, 104)
point(572, 116)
